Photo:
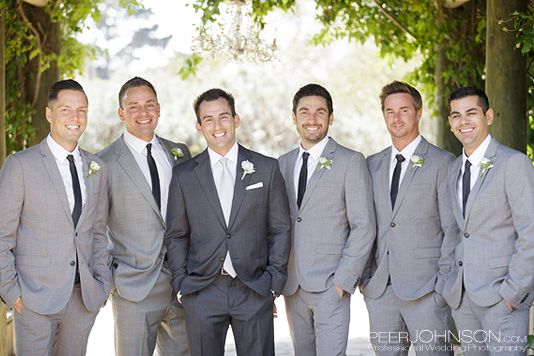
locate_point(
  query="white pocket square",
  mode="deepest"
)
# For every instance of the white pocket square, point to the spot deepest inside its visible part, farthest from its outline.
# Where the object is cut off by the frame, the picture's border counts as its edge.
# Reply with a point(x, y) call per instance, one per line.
point(254, 186)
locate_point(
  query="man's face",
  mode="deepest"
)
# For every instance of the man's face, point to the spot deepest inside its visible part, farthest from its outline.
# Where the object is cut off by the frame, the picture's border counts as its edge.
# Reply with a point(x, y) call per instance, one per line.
point(140, 112)
point(67, 116)
point(312, 120)
point(469, 123)
point(401, 116)
point(218, 125)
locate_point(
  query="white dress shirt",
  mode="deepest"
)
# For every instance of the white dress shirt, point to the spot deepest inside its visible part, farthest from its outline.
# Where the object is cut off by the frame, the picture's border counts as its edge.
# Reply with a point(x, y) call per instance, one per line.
point(407, 153)
point(60, 154)
point(475, 159)
point(139, 151)
point(315, 153)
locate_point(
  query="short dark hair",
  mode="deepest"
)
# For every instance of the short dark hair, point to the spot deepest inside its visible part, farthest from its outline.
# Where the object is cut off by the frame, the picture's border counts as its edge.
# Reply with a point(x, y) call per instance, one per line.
point(66, 84)
point(313, 90)
point(462, 92)
point(396, 87)
point(211, 95)
point(133, 83)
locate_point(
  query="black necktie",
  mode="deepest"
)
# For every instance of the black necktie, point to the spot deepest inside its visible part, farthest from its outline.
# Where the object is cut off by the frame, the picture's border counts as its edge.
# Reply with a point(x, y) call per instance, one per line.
point(466, 184)
point(303, 177)
point(396, 178)
point(154, 176)
point(77, 211)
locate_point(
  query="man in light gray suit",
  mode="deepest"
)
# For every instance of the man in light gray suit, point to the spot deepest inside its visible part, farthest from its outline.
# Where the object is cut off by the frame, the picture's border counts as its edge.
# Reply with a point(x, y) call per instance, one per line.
point(491, 285)
point(53, 247)
point(228, 236)
point(405, 276)
point(140, 165)
point(329, 191)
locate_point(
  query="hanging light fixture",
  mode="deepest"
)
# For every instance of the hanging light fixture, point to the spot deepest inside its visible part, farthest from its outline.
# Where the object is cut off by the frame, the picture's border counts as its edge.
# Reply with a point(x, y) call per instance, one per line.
point(235, 36)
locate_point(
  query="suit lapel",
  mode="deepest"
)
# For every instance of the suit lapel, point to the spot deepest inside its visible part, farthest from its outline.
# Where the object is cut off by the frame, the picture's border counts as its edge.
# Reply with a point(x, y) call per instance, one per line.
point(129, 165)
point(453, 188)
point(167, 148)
point(421, 150)
point(383, 172)
point(328, 153)
point(240, 184)
point(205, 178)
point(89, 186)
point(289, 174)
point(490, 154)
point(49, 162)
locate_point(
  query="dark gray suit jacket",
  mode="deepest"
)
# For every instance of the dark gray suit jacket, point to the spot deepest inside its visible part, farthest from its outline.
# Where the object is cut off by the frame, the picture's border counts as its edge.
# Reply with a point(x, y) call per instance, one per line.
point(258, 235)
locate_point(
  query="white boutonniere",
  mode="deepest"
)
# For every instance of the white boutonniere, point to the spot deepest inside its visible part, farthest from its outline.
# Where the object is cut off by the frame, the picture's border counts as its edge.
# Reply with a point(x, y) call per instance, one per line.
point(177, 153)
point(417, 161)
point(485, 165)
point(93, 168)
point(248, 168)
point(324, 163)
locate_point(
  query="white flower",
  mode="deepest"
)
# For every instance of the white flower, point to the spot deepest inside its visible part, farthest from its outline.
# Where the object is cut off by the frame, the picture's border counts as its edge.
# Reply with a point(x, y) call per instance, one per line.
point(93, 168)
point(417, 161)
point(248, 168)
point(324, 163)
point(485, 165)
point(177, 153)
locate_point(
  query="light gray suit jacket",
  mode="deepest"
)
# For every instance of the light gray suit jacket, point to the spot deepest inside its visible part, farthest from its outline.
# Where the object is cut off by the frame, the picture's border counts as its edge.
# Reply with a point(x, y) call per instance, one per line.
point(412, 234)
point(494, 255)
point(136, 228)
point(38, 241)
point(334, 229)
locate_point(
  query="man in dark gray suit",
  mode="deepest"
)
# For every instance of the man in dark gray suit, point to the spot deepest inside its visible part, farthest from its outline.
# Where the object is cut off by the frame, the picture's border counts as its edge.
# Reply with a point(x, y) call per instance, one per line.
point(333, 231)
point(228, 236)
point(491, 285)
point(406, 274)
point(53, 247)
point(140, 165)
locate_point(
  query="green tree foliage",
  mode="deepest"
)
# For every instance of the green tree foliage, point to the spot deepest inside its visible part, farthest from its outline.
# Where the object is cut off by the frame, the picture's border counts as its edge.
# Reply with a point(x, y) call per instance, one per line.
point(38, 39)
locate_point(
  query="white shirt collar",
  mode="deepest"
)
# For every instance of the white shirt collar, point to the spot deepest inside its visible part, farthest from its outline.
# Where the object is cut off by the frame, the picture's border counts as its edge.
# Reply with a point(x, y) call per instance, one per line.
point(231, 155)
point(60, 153)
point(137, 144)
point(316, 150)
point(408, 151)
point(478, 153)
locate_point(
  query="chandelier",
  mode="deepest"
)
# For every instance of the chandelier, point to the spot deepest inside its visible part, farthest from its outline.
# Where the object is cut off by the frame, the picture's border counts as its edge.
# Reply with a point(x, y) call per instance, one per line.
point(234, 35)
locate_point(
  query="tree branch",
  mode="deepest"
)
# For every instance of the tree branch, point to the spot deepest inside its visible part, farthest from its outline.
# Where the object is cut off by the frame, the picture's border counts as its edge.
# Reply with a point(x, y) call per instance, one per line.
point(394, 20)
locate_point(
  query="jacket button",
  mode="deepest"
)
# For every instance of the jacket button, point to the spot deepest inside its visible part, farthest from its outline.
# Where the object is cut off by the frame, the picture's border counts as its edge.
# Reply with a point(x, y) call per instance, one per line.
point(387, 253)
point(392, 224)
point(460, 263)
point(228, 236)
point(115, 265)
point(72, 263)
point(299, 219)
point(466, 235)
point(76, 234)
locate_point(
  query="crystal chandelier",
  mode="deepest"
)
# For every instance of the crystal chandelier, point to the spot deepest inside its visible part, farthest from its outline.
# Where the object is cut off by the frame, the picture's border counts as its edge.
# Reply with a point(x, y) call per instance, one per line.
point(234, 35)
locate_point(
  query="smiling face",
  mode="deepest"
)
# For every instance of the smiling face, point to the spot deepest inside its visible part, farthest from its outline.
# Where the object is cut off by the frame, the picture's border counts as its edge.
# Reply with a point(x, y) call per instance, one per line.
point(217, 125)
point(402, 118)
point(312, 120)
point(469, 123)
point(67, 115)
point(140, 112)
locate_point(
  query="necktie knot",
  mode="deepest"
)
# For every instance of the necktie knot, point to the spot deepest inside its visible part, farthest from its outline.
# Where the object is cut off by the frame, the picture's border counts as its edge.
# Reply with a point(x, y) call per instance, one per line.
point(467, 164)
point(305, 156)
point(70, 158)
point(149, 148)
point(224, 162)
point(400, 158)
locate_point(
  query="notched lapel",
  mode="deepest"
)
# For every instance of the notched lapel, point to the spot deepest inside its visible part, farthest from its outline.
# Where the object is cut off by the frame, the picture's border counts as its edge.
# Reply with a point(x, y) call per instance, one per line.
point(456, 208)
point(89, 186)
point(490, 154)
point(205, 179)
point(289, 175)
point(49, 162)
point(421, 150)
point(127, 161)
point(383, 172)
point(240, 184)
point(328, 153)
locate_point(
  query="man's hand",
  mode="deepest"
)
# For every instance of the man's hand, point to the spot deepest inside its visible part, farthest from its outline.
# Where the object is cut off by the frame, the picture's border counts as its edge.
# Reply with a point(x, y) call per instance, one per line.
point(18, 305)
point(509, 306)
point(340, 292)
point(179, 297)
point(275, 312)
